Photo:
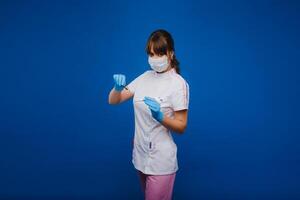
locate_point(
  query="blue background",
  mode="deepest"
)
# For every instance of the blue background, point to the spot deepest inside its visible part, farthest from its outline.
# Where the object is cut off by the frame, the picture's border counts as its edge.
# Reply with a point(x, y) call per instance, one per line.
point(61, 139)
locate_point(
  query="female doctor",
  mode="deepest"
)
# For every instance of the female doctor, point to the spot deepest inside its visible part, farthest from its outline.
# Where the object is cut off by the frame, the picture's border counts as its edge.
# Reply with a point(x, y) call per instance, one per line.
point(160, 100)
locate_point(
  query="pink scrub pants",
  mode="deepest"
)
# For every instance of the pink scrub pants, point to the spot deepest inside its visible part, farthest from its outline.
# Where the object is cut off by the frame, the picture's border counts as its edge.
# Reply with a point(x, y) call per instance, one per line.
point(157, 187)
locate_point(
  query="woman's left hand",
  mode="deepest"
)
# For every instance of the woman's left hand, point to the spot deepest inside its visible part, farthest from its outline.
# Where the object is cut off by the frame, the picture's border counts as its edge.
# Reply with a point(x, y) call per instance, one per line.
point(154, 107)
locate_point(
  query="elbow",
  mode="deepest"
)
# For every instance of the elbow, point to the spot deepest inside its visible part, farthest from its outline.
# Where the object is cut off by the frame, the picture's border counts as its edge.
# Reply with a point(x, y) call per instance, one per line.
point(111, 99)
point(111, 102)
point(182, 129)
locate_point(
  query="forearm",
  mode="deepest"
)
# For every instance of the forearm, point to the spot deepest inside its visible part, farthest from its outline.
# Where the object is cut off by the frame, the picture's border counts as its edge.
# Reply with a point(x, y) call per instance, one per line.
point(114, 97)
point(175, 125)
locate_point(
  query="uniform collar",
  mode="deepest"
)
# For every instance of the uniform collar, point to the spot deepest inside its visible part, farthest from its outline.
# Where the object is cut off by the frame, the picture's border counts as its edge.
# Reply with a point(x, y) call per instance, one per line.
point(164, 74)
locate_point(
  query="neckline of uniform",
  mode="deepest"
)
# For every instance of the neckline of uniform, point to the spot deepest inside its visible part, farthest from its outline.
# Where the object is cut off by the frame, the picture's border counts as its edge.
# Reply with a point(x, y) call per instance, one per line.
point(172, 70)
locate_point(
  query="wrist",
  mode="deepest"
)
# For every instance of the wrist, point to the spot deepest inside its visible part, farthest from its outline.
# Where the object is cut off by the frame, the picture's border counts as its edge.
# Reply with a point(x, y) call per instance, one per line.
point(160, 116)
point(118, 88)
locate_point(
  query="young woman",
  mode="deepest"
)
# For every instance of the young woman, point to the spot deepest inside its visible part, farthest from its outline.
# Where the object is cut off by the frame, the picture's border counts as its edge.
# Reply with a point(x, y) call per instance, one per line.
point(160, 99)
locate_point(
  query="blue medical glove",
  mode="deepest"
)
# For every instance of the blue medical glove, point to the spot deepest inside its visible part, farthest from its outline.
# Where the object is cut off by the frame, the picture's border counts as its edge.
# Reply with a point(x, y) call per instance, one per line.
point(154, 108)
point(120, 82)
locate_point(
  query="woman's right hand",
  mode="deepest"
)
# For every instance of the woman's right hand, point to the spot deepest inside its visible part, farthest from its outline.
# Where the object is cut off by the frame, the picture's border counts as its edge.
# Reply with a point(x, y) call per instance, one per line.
point(120, 82)
point(117, 94)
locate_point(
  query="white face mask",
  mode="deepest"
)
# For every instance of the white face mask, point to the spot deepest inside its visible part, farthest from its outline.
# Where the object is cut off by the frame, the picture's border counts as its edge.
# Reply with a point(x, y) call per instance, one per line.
point(159, 64)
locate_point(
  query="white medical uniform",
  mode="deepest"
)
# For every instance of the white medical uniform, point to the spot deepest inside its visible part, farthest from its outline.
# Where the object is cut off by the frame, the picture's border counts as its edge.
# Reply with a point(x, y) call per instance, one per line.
point(154, 150)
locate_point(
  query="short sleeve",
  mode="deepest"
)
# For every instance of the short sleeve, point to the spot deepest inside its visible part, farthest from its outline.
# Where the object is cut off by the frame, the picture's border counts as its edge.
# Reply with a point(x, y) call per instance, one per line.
point(181, 95)
point(134, 83)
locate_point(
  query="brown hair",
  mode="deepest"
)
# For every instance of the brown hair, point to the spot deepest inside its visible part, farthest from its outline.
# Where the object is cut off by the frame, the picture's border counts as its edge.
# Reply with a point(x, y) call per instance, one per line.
point(162, 43)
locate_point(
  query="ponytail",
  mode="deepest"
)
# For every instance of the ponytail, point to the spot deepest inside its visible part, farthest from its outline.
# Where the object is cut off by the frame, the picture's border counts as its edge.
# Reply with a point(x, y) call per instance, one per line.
point(175, 64)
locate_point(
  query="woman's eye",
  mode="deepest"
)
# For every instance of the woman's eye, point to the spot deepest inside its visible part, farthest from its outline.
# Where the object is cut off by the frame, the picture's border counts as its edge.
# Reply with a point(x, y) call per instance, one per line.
point(156, 55)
